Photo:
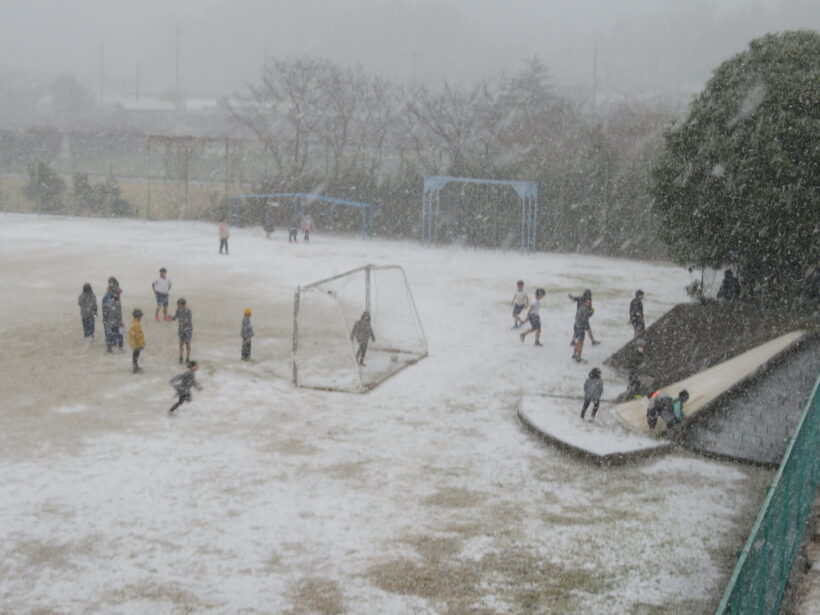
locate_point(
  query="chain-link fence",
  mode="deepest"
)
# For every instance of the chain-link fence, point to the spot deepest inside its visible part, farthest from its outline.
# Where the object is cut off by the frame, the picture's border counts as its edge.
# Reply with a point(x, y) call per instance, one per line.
point(155, 176)
point(762, 571)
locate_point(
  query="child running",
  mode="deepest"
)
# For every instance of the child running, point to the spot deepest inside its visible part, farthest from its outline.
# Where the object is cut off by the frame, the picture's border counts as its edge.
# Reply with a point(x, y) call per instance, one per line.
point(520, 302)
point(534, 317)
point(247, 334)
point(186, 328)
point(593, 389)
point(182, 385)
point(363, 333)
point(136, 339)
point(162, 287)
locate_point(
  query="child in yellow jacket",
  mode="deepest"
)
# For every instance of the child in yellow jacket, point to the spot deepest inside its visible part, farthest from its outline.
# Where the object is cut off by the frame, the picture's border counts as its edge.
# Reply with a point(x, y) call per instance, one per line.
point(136, 338)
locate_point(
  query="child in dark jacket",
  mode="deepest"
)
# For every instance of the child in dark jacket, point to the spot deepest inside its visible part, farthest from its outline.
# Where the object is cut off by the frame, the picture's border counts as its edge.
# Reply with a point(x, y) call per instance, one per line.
point(663, 406)
point(582, 315)
point(247, 334)
point(362, 332)
point(182, 385)
point(88, 310)
point(186, 328)
point(112, 315)
point(593, 389)
point(587, 294)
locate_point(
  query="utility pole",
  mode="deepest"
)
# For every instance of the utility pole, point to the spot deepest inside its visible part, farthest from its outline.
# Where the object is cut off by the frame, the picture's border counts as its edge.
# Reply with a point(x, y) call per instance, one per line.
point(594, 79)
point(102, 67)
point(177, 86)
point(227, 166)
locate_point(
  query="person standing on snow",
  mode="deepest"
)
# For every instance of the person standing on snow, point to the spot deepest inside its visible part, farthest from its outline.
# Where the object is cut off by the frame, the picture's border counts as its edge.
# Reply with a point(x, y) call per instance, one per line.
point(247, 334)
point(520, 302)
point(186, 328)
point(362, 332)
point(307, 226)
point(88, 310)
point(636, 318)
point(582, 316)
point(593, 389)
point(587, 294)
point(162, 287)
point(224, 233)
point(136, 339)
point(112, 315)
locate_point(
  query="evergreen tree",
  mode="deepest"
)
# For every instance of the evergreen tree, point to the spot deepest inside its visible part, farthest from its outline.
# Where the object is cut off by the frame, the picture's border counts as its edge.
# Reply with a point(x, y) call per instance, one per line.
point(738, 180)
point(45, 187)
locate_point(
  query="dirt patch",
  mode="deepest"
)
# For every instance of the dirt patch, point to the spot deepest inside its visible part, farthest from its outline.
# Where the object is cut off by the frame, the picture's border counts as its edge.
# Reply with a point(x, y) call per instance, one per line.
point(523, 579)
point(317, 596)
point(692, 337)
point(170, 594)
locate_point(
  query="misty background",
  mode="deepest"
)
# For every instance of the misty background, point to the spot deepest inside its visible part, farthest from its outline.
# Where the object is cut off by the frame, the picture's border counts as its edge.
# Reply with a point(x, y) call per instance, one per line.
point(642, 45)
point(166, 110)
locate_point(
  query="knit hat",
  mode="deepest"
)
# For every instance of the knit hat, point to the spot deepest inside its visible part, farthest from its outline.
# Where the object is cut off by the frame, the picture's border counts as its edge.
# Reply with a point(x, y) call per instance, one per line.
point(248, 311)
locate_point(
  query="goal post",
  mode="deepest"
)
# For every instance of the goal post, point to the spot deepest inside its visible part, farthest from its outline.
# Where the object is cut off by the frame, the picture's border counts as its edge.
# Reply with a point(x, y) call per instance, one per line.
point(324, 314)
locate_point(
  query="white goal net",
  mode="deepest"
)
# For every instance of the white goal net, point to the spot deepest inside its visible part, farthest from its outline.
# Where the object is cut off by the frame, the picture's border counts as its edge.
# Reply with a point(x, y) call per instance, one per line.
point(324, 315)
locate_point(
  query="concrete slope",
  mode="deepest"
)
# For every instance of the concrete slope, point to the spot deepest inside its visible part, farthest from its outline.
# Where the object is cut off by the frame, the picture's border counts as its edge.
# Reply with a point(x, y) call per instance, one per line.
point(755, 423)
point(705, 387)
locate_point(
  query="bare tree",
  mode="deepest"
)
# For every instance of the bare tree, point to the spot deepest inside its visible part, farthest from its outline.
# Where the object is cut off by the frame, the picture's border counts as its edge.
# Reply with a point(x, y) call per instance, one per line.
point(284, 110)
point(448, 115)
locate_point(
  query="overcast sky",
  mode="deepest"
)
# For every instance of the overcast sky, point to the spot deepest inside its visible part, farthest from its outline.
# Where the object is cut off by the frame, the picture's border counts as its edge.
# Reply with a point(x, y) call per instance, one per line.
point(642, 45)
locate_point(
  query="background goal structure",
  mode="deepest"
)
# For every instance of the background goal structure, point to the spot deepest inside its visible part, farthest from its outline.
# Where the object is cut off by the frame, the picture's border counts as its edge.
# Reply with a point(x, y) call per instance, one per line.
point(324, 313)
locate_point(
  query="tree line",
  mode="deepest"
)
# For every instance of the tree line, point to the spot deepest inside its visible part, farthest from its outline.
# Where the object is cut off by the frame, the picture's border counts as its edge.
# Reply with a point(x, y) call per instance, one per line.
point(344, 133)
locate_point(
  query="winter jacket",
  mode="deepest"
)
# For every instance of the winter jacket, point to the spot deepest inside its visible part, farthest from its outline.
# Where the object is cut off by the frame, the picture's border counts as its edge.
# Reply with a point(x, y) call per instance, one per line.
point(729, 289)
point(182, 383)
point(636, 311)
point(247, 328)
point(186, 320)
point(582, 315)
point(111, 311)
point(669, 410)
point(88, 305)
point(362, 331)
point(593, 389)
point(136, 338)
point(224, 231)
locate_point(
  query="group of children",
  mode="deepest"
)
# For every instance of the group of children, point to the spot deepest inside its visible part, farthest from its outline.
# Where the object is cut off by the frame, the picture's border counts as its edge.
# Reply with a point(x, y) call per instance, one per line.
point(661, 405)
point(301, 221)
point(581, 327)
point(115, 330)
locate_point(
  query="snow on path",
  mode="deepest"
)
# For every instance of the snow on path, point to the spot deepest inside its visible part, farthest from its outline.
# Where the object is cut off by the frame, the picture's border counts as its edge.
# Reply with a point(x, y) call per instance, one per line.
point(422, 496)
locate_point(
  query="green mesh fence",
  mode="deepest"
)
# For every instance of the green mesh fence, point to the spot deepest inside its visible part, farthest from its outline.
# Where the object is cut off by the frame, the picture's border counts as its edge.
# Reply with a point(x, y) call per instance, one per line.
point(761, 573)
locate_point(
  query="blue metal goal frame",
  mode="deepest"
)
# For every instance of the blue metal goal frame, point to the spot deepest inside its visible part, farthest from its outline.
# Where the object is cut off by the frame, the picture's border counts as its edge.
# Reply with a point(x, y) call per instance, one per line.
point(302, 199)
point(431, 199)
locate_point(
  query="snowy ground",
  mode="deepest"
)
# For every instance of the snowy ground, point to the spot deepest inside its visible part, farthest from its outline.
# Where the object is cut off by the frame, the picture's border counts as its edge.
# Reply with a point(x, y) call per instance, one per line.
point(425, 495)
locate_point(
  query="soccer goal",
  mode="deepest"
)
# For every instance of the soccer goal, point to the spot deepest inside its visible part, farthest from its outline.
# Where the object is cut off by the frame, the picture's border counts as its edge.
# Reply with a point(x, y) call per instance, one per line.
point(324, 314)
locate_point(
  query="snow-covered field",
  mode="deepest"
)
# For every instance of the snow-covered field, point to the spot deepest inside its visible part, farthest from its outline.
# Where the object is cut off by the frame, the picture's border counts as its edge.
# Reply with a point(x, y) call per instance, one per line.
point(425, 495)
